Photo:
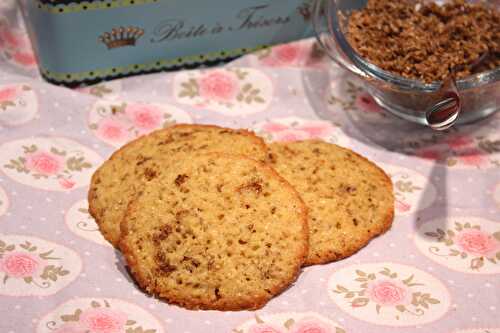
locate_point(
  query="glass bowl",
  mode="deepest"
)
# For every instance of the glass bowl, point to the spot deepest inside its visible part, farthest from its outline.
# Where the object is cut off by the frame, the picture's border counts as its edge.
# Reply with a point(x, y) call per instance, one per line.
point(438, 105)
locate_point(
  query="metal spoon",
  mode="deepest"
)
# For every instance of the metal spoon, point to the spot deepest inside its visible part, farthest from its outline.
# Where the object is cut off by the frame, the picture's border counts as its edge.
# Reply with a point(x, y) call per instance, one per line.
point(444, 114)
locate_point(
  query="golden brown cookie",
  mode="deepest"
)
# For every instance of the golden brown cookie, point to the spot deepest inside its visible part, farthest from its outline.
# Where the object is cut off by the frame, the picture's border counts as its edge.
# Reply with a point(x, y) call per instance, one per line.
point(142, 160)
point(350, 199)
point(215, 231)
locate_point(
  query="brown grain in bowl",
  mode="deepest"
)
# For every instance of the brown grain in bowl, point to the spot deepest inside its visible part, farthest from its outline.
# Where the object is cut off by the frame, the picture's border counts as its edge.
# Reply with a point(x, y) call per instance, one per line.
point(423, 41)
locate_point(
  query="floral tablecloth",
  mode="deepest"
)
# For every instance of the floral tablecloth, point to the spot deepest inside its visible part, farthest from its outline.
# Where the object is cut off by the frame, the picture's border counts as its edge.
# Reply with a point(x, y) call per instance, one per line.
point(436, 270)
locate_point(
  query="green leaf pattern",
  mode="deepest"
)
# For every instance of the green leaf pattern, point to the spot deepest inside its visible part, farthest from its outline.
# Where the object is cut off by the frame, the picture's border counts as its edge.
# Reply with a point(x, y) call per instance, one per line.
point(450, 156)
point(118, 111)
point(420, 302)
point(18, 165)
point(348, 103)
point(100, 90)
point(248, 93)
point(131, 326)
point(75, 163)
point(446, 237)
point(50, 273)
point(4, 248)
point(286, 323)
point(264, 53)
point(4, 105)
point(406, 186)
point(190, 89)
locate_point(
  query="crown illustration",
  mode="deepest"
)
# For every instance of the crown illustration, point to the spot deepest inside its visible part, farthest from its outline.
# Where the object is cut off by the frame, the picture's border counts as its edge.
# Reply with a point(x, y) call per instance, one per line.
point(119, 37)
point(305, 10)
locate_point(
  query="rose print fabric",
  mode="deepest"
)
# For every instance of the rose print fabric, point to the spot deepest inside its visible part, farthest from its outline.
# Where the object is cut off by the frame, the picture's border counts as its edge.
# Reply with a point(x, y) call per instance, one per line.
point(466, 244)
point(436, 270)
point(35, 267)
point(18, 105)
point(99, 315)
point(307, 322)
point(116, 123)
point(17, 48)
point(294, 129)
point(389, 294)
point(235, 91)
point(79, 221)
point(54, 164)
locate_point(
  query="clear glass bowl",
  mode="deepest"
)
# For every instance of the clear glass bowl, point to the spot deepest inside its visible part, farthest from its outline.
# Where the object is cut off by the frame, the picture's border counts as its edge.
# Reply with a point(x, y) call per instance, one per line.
point(469, 99)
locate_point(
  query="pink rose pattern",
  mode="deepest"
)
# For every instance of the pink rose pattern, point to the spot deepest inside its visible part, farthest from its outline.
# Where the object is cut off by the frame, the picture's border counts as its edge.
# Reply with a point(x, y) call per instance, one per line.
point(44, 163)
point(27, 262)
point(56, 164)
point(296, 131)
point(14, 264)
point(472, 157)
point(12, 39)
point(468, 242)
point(8, 94)
point(290, 135)
point(297, 54)
point(452, 150)
point(121, 123)
point(219, 86)
point(20, 264)
point(476, 151)
point(401, 206)
point(24, 58)
point(99, 317)
point(103, 320)
point(226, 88)
point(459, 141)
point(286, 55)
point(113, 130)
point(18, 105)
point(17, 47)
point(461, 150)
point(388, 293)
point(9, 97)
point(477, 242)
point(387, 289)
point(145, 118)
point(303, 324)
point(66, 183)
point(429, 154)
point(353, 98)
point(404, 187)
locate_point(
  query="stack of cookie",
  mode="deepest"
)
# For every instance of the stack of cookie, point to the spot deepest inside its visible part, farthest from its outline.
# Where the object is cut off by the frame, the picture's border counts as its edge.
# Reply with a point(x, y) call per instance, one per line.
point(213, 218)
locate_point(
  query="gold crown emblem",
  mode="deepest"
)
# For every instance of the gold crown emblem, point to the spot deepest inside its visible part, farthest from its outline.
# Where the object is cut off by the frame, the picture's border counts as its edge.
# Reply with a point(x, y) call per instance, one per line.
point(305, 10)
point(119, 37)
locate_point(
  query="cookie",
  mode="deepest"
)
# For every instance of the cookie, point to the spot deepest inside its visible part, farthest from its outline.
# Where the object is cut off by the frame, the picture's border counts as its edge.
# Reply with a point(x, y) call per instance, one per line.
point(350, 199)
point(142, 160)
point(215, 231)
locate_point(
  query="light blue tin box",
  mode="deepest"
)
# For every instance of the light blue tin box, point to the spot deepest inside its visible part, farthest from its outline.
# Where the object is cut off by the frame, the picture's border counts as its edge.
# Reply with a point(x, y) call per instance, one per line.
point(83, 42)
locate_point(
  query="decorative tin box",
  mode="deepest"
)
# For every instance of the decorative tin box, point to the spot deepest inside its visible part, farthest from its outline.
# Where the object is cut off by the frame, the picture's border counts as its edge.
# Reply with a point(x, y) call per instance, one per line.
point(82, 42)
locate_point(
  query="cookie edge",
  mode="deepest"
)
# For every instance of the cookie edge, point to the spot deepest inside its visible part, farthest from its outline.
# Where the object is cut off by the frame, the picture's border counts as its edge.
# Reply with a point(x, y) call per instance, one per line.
point(388, 220)
point(258, 303)
point(91, 196)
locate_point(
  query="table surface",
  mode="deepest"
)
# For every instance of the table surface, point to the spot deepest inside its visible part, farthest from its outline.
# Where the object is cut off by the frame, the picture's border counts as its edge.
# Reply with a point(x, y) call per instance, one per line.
point(436, 270)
